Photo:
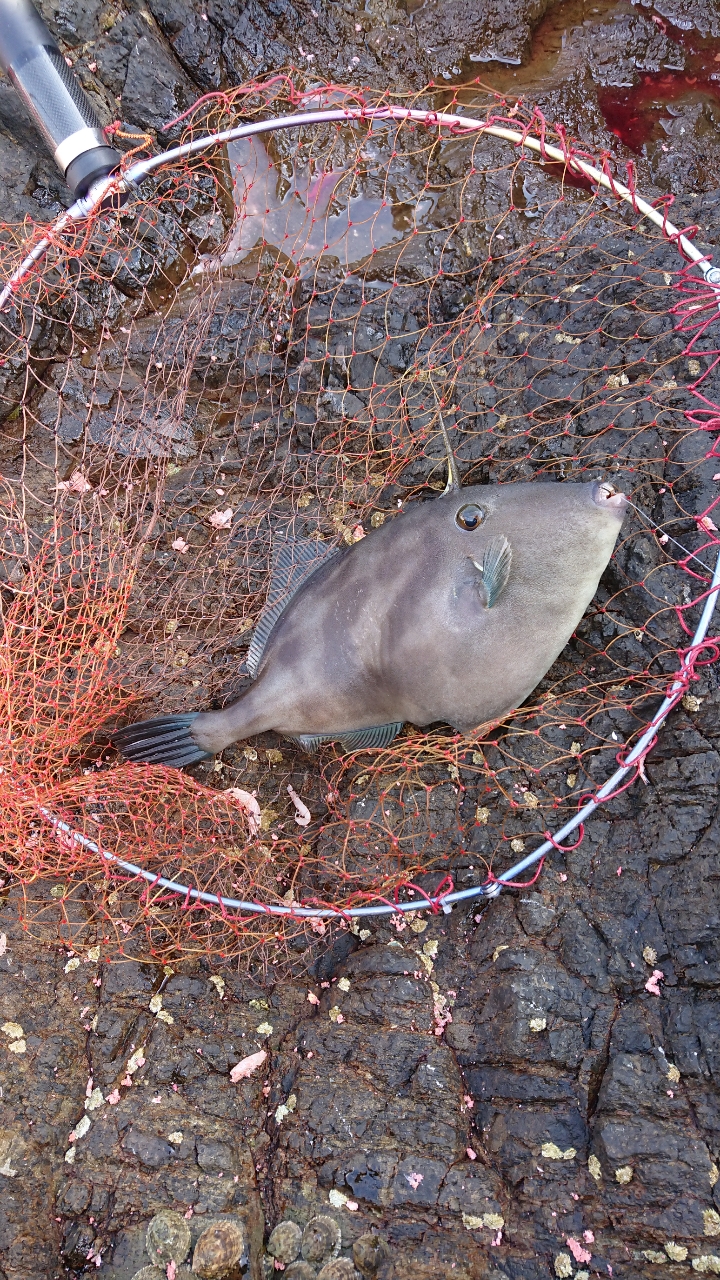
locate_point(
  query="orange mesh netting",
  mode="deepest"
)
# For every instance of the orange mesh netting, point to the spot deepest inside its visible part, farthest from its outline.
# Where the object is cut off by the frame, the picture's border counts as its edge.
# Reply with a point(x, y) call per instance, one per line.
point(260, 342)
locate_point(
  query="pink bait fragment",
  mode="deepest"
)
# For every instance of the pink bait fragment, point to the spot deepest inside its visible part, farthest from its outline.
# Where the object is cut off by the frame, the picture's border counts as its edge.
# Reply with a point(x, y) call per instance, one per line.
point(577, 1251)
point(221, 519)
point(243, 1069)
point(302, 815)
point(652, 983)
point(248, 802)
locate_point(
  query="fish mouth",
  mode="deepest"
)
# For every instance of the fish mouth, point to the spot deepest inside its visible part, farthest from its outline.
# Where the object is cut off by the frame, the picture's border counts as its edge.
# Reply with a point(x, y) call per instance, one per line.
point(605, 494)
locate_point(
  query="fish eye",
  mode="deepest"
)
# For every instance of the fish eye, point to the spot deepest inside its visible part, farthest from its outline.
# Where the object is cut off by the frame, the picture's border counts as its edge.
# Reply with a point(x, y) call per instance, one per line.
point(470, 516)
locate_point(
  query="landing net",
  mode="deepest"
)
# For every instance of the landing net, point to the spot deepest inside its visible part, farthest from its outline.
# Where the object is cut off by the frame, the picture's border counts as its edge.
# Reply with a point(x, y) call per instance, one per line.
point(259, 344)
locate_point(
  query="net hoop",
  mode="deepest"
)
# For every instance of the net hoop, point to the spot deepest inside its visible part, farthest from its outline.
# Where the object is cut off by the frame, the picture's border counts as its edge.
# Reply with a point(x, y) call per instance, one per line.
point(600, 176)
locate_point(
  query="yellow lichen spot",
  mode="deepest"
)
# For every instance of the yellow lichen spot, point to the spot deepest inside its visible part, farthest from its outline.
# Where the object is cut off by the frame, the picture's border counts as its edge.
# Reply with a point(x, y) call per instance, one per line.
point(694, 368)
point(430, 948)
point(482, 813)
point(265, 1029)
point(418, 925)
point(304, 501)
point(673, 1074)
point(538, 1024)
point(594, 1168)
point(531, 800)
point(575, 748)
point(274, 756)
point(13, 1030)
point(624, 1174)
point(711, 1222)
point(285, 1108)
point(267, 817)
point(551, 1151)
point(176, 1137)
point(563, 1265)
point(503, 947)
point(650, 955)
point(707, 1262)
point(691, 703)
point(493, 1221)
point(171, 626)
point(652, 1255)
point(156, 1003)
point(94, 954)
point(17, 1046)
point(714, 1174)
point(571, 780)
point(164, 1016)
point(675, 1252)
point(343, 984)
point(250, 753)
point(377, 518)
point(471, 1223)
point(73, 963)
point(218, 983)
point(336, 1014)
point(517, 845)
point(478, 757)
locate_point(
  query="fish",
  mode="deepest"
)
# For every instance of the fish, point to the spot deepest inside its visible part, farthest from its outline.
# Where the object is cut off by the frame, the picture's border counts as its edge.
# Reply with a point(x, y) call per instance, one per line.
point(450, 612)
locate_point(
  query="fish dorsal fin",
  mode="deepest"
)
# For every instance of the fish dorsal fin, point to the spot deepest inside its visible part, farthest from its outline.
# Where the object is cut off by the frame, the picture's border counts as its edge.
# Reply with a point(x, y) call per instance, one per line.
point(495, 568)
point(295, 562)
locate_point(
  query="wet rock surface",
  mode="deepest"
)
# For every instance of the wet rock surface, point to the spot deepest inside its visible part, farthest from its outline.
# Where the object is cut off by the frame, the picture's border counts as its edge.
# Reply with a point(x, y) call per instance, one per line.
point(566, 1109)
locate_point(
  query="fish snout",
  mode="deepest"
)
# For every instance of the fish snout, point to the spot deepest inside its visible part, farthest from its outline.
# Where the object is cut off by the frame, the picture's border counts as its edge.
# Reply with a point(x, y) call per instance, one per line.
point(605, 494)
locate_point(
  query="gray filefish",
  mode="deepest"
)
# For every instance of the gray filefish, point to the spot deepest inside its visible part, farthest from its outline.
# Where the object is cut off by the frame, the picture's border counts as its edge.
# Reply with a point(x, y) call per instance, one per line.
point(452, 611)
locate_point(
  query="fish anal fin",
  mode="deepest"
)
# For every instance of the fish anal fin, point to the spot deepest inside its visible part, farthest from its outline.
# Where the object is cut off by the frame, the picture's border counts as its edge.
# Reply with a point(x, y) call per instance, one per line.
point(378, 735)
point(494, 568)
point(296, 561)
point(309, 742)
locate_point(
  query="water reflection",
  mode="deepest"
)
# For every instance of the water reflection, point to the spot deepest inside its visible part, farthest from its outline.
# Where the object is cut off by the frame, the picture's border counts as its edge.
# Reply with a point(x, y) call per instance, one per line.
point(315, 213)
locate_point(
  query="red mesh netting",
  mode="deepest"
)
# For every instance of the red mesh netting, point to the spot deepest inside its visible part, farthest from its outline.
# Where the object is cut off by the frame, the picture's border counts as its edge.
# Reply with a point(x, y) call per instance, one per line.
point(261, 341)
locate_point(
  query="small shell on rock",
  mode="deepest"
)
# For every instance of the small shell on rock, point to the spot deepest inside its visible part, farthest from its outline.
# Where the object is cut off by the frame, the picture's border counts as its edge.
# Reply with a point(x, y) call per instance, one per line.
point(339, 1269)
point(285, 1241)
point(218, 1250)
point(369, 1251)
point(298, 1271)
point(168, 1238)
point(321, 1239)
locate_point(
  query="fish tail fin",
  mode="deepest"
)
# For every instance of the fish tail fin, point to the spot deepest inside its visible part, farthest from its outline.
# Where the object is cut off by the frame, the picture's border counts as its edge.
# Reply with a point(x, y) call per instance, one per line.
point(165, 740)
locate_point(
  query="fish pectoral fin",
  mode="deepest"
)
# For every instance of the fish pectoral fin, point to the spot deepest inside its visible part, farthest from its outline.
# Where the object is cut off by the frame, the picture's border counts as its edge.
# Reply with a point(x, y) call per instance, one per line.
point(378, 735)
point(495, 568)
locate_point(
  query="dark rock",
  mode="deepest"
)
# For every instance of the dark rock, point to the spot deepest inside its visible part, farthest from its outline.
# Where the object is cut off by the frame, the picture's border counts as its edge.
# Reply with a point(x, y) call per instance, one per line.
point(77, 1244)
point(156, 89)
point(150, 1150)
